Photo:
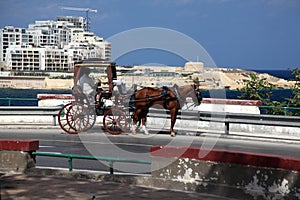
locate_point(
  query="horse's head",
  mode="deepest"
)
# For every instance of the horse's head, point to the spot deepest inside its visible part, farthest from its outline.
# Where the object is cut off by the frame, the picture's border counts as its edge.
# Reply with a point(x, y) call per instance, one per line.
point(191, 91)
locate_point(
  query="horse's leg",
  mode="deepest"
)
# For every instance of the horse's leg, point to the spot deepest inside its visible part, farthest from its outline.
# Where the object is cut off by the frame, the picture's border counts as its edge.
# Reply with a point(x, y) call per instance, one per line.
point(173, 113)
point(144, 119)
point(135, 119)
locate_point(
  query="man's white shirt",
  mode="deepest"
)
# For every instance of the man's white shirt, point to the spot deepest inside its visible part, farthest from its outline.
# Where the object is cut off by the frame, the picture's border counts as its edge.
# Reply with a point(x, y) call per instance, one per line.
point(86, 84)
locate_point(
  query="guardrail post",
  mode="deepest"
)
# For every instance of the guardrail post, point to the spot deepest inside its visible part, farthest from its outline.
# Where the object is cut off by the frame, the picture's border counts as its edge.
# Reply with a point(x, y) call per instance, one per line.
point(226, 128)
point(70, 163)
point(9, 104)
point(111, 167)
point(54, 120)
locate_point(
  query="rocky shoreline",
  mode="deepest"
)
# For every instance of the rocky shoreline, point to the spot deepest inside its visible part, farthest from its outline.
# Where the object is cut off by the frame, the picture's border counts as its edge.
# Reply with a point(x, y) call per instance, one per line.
point(232, 78)
point(216, 78)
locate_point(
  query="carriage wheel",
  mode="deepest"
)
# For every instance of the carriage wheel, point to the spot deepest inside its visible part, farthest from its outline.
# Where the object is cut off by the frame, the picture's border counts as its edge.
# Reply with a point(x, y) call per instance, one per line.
point(114, 121)
point(92, 118)
point(83, 100)
point(73, 118)
point(78, 117)
point(62, 119)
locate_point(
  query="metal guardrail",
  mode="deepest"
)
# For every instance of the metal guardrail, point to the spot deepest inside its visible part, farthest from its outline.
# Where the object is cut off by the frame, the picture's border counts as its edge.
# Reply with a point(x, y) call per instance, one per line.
point(70, 158)
point(31, 110)
point(230, 118)
point(9, 100)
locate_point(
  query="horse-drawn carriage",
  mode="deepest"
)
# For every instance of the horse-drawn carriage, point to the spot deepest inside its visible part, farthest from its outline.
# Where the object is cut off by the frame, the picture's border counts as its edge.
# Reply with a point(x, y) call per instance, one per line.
point(97, 92)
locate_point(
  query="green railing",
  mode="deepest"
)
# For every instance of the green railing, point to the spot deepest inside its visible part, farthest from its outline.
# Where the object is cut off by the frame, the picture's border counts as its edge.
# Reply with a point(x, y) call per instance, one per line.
point(10, 99)
point(111, 161)
point(284, 109)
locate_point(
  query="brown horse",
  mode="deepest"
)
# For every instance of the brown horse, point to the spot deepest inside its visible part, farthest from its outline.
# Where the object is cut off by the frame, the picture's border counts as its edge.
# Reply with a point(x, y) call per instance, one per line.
point(185, 91)
point(148, 97)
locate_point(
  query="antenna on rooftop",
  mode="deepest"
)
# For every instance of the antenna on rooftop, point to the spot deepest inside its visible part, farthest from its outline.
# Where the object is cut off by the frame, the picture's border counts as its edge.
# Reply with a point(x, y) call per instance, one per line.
point(86, 10)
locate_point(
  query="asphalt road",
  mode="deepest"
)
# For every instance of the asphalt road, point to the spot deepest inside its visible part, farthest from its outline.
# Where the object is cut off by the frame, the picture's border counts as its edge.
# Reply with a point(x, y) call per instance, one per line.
point(97, 143)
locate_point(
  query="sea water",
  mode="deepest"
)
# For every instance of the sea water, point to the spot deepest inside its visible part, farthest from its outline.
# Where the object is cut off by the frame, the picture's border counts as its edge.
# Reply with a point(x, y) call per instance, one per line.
point(25, 93)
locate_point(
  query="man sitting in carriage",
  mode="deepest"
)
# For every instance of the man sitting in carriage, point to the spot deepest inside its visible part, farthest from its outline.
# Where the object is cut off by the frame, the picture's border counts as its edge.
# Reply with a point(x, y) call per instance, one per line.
point(87, 84)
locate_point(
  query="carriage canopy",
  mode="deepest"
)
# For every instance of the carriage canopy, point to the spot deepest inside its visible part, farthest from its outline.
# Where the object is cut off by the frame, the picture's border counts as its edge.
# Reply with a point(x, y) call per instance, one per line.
point(99, 71)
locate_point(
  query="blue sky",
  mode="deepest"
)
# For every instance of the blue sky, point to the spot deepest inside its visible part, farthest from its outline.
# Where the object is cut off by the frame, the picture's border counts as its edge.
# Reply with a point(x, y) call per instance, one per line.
point(249, 34)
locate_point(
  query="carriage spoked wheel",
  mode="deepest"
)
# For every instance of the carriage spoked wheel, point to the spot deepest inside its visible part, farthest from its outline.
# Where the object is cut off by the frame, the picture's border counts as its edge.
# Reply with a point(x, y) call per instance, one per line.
point(74, 118)
point(83, 100)
point(92, 118)
point(114, 121)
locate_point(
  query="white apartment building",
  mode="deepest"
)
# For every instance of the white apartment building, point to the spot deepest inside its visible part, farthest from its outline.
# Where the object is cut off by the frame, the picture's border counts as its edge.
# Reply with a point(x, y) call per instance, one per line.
point(10, 36)
point(23, 59)
point(77, 22)
point(50, 45)
point(48, 59)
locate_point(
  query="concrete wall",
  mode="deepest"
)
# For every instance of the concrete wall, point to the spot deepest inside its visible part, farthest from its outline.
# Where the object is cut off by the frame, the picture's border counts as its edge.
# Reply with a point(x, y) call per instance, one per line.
point(54, 99)
point(22, 82)
point(15, 161)
point(16, 155)
point(35, 82)
point(226, 173)
point(230, 105)
point(59, 83)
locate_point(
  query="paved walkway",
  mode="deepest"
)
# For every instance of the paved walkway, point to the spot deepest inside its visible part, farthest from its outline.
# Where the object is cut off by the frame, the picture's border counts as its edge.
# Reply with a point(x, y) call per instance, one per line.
point(23, 187)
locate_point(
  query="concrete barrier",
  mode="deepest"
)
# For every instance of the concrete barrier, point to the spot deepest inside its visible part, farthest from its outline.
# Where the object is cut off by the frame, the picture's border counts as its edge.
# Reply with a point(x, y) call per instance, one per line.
point(18, 114)
point(16, 155)
point(230, 105)
point(231, 174)
point(54, 99)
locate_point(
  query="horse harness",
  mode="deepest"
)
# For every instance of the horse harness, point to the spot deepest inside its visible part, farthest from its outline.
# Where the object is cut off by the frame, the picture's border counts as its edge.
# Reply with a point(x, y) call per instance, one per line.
point(164, 96)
